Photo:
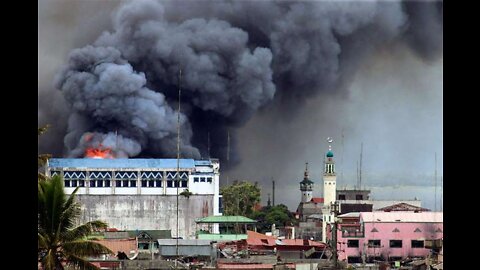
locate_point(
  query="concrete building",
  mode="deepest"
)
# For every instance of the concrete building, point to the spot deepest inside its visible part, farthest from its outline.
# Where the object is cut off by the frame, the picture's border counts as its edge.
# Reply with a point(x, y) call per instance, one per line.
point(388, 236)
point(140, 194)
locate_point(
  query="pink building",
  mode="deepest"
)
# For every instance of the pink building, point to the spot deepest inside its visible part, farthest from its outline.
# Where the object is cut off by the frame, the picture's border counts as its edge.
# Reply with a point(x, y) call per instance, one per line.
point(387, 235)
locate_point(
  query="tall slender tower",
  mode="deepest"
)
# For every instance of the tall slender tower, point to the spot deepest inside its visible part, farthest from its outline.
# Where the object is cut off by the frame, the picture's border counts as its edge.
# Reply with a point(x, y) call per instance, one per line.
point(329, 189)
point(306, 186)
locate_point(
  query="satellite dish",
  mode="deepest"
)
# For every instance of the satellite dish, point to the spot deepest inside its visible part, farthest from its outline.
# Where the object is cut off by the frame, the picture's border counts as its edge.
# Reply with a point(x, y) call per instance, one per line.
point(329, 140)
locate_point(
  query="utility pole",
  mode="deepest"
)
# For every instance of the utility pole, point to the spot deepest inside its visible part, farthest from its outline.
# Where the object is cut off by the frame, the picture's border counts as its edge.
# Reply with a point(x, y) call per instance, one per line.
point(178, 161)
point(334, 210)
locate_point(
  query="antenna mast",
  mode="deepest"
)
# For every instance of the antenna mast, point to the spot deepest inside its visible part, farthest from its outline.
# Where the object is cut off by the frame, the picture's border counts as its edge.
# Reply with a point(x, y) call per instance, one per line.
point(360, 172)
point(208, 144)
point(228, 152)
point(273, 192)
point(178, 158)
point(341, 161)
point(435, 181)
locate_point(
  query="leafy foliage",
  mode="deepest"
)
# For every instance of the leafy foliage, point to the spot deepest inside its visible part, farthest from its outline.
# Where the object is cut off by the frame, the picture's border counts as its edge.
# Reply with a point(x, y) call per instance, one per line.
point(59, 240)
point(240, 198)
point(186, 193)
point(278, 215)
point(42, 158)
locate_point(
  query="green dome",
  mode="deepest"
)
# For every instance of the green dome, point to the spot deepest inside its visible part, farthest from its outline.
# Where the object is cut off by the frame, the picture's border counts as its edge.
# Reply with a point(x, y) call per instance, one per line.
point(329, 154)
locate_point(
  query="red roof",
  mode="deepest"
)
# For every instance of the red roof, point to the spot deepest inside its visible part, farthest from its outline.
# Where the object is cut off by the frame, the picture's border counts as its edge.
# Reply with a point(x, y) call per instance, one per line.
point(317, 200)
point(116, 245)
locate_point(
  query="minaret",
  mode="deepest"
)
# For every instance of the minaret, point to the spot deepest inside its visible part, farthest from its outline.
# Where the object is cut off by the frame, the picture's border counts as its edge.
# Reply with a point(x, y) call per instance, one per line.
point(306, 186)
point(329, 189)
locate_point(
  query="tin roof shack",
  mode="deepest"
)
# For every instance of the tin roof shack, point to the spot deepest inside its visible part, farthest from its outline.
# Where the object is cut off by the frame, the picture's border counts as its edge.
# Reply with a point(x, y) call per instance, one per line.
point(189, 250)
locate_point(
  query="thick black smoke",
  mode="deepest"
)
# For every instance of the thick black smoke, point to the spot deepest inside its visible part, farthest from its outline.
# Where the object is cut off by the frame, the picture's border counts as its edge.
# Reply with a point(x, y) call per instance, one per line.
point(235, 57)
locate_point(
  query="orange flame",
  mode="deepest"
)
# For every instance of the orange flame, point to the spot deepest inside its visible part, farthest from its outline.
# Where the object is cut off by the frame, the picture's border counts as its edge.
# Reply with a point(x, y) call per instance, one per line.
point(99, 152)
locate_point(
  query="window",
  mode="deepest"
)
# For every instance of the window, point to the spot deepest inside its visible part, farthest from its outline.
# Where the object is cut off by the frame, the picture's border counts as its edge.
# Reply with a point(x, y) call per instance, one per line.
point(169, 183)
point(158, 183)
point(395, 243)
point(417, 230)
point(143, 246)
point(81, 183)
point(374, 230)
point(352, 243)
point(67, 183)
point(359, 197)
point(341, 197)
point(74, 183)
point(184, 183)
point(118, 183)
point(417, 244)
point(144, 183)
point(151, 183)
point(99, 183)
point(125, 183)
point(196, 179)
point(177, 183)
point(133, 183)
point(354, 259)
point(92, 183)
point(202, 179)
point(373, 243)
point(209, 179)
point(107, 183)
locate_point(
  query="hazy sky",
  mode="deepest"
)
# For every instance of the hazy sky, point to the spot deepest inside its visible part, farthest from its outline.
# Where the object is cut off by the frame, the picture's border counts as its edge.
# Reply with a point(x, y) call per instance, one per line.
point(393, 104)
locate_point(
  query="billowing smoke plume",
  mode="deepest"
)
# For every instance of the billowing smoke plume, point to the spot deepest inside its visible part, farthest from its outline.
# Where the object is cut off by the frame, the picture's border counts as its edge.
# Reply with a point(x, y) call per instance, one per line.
point(235, 57)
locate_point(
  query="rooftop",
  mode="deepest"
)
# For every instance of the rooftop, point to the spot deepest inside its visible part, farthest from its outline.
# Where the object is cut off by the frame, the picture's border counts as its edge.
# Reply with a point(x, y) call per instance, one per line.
point(399, 216)
point(169, 163)
point(225, 219)
point(129, 246)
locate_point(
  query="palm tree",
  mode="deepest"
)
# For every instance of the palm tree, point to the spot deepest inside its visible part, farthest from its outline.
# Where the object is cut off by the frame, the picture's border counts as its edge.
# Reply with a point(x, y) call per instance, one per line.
point(58, 237)
point(42, 158)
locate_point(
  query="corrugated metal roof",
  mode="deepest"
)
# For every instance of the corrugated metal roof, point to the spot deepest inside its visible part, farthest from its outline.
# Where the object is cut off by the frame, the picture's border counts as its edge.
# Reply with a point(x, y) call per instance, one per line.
point(225, 219)
point(401, 216)
point(170, 163)
point(183, 242)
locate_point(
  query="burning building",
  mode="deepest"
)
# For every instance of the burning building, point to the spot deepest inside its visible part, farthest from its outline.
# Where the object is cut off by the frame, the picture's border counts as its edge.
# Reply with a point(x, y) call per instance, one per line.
point(141, 194)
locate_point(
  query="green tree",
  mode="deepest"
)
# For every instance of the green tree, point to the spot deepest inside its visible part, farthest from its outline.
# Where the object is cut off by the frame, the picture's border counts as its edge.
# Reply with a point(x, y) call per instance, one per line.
point(42, 158)
point(240, 198)
point(58, 237)
point(278, 215)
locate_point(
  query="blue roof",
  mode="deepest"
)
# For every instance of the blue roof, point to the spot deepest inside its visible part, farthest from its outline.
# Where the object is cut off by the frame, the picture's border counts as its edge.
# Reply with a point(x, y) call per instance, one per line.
point(203, 163)
point(170, 163)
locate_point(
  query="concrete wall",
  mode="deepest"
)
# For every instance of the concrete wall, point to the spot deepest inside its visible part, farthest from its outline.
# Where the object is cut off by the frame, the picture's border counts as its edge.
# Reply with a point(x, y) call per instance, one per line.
point(147, 212)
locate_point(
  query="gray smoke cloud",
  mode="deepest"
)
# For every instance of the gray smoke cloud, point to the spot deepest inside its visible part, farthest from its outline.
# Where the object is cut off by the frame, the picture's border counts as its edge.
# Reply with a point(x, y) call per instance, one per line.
point(236, 58)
